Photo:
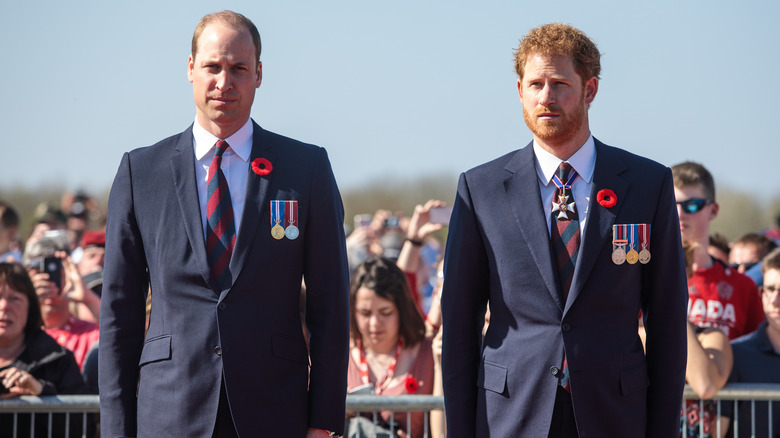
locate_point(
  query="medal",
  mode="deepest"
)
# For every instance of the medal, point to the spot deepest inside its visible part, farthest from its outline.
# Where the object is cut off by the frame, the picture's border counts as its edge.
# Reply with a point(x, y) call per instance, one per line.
point(644, 254)
point(618, 244)
point(277, 214)
point(563, 206)
point(632, 256)
point(292, 218)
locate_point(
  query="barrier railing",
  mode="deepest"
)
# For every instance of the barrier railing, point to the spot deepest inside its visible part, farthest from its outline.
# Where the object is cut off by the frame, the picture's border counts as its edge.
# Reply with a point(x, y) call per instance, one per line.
point(89, 404)
point(738, 393)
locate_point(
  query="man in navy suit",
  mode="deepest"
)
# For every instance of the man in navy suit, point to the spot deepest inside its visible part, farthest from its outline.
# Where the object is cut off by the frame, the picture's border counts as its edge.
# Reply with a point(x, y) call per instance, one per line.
point(561, 356)
point(221, 223)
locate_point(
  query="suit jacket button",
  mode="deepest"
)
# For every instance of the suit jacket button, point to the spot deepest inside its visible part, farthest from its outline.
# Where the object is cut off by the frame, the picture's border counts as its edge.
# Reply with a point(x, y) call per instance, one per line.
point(218, 350)
point(554, 371)
point(222, 306)
point(566, 326)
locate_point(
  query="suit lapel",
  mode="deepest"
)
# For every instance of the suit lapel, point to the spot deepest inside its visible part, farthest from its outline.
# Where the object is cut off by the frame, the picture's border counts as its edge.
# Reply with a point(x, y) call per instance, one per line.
point(183, 168)
point(600, 219)
point(522, 188)
point(256, 194)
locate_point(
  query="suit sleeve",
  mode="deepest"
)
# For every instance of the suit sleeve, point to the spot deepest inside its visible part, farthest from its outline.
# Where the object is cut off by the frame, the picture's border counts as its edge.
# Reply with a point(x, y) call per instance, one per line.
point(665, 297)
point(122, 309)
point(326, 274)
point(464, 297)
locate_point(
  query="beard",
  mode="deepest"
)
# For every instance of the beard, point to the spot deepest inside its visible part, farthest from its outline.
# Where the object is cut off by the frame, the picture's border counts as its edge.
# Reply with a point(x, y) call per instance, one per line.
point(560, 130)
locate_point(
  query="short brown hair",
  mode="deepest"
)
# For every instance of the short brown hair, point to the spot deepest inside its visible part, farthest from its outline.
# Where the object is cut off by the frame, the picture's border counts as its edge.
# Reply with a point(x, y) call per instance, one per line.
point(560, 39)
point(231, 19)
point(763, 244)
point(382, 276)
point(9, 218)
point(771, 261)
point(15, 276)
point(690, 174)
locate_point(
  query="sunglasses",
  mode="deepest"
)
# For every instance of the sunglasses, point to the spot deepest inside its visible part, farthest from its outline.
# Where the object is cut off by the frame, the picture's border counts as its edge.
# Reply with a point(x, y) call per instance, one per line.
point(746, 265)
point(694, 205)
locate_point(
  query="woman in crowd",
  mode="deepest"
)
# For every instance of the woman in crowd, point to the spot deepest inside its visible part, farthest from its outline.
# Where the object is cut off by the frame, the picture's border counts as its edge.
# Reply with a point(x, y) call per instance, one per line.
point(31, 362)
point(389, 352)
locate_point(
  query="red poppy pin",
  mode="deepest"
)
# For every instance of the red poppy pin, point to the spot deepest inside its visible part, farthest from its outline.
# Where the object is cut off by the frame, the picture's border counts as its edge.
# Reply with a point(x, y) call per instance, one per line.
point(411, 384)
point(261, 166)
point(606, 198)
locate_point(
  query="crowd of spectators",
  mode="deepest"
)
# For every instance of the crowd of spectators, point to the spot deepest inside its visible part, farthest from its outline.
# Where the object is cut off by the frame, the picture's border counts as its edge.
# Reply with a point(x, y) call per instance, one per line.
point(50, 286)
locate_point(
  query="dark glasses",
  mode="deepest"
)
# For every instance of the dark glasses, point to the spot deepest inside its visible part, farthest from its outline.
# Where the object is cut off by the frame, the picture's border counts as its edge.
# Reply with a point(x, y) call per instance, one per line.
point(746, 265)
point(694, 205)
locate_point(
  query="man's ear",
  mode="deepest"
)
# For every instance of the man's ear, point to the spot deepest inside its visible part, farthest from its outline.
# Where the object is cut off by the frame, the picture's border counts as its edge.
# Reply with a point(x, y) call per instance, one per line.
point(714, 210)
point(591, 88)
point(190, 67)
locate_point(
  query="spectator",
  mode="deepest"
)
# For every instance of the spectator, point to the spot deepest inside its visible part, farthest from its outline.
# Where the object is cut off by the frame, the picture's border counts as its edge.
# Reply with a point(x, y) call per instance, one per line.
point(757, 357)
point(747, 252)
point(418, 231)
point(9, 234)
point(389, 352)
point(31, 362)
point(718, 296)
point(707, 369)
point(90, 266)
point(719, 247)
point(56, 294)
point(79, 207)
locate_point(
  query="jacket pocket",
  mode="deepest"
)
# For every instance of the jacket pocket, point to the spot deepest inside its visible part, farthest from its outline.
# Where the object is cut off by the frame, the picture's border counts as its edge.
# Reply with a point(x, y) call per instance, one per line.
point(634, 380)
point(492, 377)
point(286, 348)
point(156, 349)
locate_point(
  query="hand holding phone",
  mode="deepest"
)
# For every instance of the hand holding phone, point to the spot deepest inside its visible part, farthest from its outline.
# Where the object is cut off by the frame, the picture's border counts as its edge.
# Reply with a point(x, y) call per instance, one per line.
point(53, 267)
point(440, 215)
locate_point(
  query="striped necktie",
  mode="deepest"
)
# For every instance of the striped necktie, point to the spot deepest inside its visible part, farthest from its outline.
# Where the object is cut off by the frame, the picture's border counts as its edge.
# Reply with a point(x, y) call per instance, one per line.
point(220, 226)
point(565, 239)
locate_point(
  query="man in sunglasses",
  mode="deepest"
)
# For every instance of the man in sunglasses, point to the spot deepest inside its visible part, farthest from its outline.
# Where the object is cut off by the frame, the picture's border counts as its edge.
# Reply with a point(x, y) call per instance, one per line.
point(718, 296)
point(746, 254)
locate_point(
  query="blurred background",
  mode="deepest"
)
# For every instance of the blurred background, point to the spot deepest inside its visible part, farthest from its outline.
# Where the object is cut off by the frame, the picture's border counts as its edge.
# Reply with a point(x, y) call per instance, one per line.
point(404, 95)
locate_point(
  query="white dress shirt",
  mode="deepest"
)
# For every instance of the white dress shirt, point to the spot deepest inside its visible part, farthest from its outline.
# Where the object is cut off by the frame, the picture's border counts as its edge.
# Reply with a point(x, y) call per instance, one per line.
point(584, 162)
point(235, 166)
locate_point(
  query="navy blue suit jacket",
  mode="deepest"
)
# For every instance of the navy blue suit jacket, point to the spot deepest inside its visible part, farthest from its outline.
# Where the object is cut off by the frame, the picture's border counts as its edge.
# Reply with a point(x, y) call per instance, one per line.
point(249, 333)
point(498, 251)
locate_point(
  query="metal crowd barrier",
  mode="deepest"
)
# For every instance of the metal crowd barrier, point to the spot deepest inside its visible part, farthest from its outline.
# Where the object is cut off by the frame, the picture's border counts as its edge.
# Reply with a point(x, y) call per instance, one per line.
point(77, 406)
point(739, 393)
point(83, 405)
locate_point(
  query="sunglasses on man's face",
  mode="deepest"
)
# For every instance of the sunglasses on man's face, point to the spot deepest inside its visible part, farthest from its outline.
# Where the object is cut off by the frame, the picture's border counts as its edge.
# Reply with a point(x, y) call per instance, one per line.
point(747, 266)
point(694, 205)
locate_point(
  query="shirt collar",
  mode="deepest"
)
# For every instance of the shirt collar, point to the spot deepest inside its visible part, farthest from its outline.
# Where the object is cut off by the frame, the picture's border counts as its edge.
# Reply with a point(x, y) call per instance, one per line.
point(240, 142)
point(583, 161)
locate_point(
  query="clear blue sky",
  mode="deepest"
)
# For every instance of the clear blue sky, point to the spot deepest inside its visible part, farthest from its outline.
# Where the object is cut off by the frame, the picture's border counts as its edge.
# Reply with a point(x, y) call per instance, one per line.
point(398, 88)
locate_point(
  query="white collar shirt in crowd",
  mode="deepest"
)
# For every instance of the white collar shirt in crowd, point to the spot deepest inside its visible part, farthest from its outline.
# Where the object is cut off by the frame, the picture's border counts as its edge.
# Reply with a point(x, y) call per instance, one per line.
point(584, 162)
point(235, 166)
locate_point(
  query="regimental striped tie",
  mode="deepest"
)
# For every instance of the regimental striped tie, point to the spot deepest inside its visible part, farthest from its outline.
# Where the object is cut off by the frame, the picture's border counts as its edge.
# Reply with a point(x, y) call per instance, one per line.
point(565, 238)
point(220, 226)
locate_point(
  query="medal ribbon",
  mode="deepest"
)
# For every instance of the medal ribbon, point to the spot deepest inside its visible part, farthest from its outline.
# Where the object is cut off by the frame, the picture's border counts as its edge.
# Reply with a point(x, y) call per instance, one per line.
point(292, 212)
point(632, 239)
point(618, 235)
point(388, 373)
point(277, 212)
point(644, 243)
point(567, 185)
